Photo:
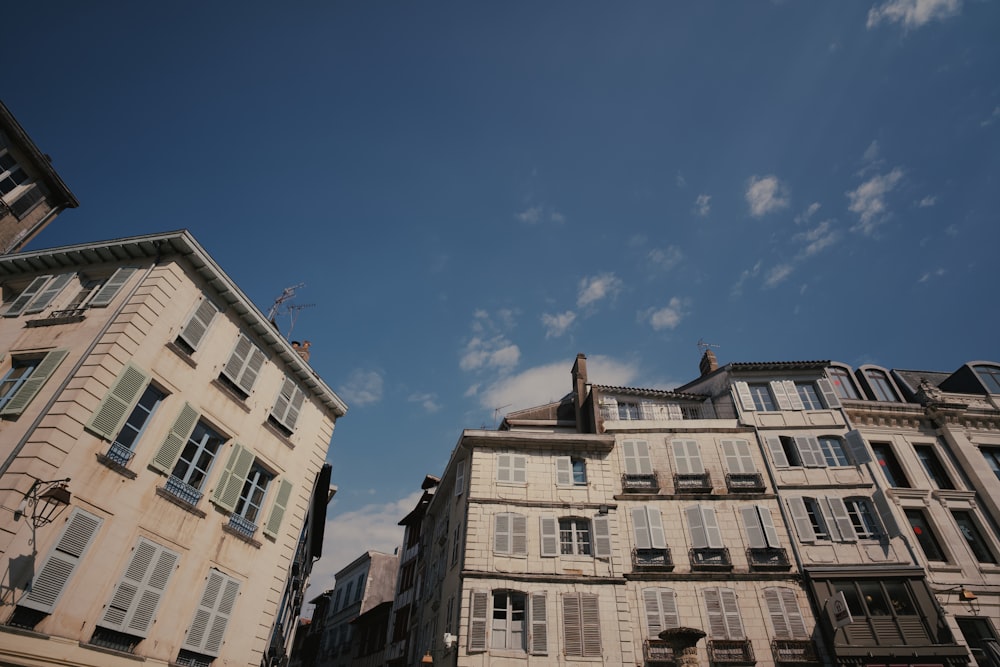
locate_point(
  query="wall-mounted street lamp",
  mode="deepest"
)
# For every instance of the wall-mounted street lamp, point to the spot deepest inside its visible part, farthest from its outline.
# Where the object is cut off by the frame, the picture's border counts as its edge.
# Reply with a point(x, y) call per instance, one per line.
point(966, 597)
point(449, 641)
point(43, 503)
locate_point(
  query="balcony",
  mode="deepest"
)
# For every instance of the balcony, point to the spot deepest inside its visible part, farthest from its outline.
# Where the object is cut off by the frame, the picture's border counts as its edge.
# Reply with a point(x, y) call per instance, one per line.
point(794, 652)
point(657, 652)
point(710, 558)
point(120, 454)
point(652, 560)
point(745, 482)
point(640, 483)
point(731, 652)
point(182, 490)
point(700, 483)
point(768, 558)
point(242, 526)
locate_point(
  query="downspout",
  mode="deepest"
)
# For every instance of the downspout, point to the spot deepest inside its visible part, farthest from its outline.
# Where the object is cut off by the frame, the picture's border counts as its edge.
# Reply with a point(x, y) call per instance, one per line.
point(79, 364)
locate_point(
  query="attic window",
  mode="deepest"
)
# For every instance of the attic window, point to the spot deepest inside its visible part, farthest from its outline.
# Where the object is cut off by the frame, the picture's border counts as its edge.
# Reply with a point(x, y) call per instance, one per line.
point(990, 377)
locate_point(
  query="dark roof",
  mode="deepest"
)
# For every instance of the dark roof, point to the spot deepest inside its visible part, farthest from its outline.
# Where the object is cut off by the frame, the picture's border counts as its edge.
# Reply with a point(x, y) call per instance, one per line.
point(560, 410)
point(913, 378)
point(39, 159)
point(663, 393)
point(779, 365)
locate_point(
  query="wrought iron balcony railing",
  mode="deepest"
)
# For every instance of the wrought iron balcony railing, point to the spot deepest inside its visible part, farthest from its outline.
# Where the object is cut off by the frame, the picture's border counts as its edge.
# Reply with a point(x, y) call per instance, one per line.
point(768, 558)
point(739, 652)
point(794, 652)
point(657, 651)
point(652, 560)
point(710, 558)
point(696, 483)
point(120, 454)
point(242, 525)
point(640, 483)
point(182, 490)
point(745, 482)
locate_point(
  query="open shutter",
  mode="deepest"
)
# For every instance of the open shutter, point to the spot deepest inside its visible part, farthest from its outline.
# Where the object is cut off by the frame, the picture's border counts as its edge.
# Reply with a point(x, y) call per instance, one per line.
point(654, 616)
point(244, 364)
point(24, 298)
point(51, 291)
point(777, 451)
point(800, 517)
point(744, 396)
point(770, 533)
point(179, 433)
point(716, 619)
point(138, 593)
point(478, 604)
point(856, 447)
point(712, 531)
point(230, 486)
point(198, 324)
point(591, 617)
point(111, 414)
point(731, 611)
point(111, 287)
point(214, 610)
point(640, 528)
point(572, 630)
point(30, 387)
point(539, 641)
point(793, 395)
point(843, 521)
point(503, 468)
point(602, 536)
point(885, 513)
point(829, 395)
point(751, 523)
point(810, 453)
point(776, 611)
point(459, 478)
point(696, 524)
point(501, 534)
point(564, 471)
point(687, 457)
point(288, 404)
point(273, 523)
point(657, 538)
point(518, 534)
point(778, 389)
point(58, 567)
point(550, 535)
point(519, 472)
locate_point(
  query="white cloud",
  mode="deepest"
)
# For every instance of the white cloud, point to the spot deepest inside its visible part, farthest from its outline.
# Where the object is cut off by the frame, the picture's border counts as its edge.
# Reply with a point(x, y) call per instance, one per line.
point(556, 325)
point(937, 273)
point(927, 202)
point(595, 288)
point(765, 195)
point(872, 152)
point(703, 205)
point(543, 384)
point(428, 402)
point(681, 181)
point(489, 347)
point(362, 388)
point(536, 214)
point(992, 119)
point(951, 230)
point(819, 237)
point(868, 200)
point(777, 275)
point(913, 13)
point(666, 258)
point(805, 215)
point(667, 317)
point(746, 275)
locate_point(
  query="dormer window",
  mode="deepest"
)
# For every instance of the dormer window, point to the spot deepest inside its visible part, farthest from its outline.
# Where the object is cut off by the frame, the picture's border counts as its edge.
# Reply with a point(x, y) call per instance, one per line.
point(880, 386)
point(990, 377)
point(842, 382)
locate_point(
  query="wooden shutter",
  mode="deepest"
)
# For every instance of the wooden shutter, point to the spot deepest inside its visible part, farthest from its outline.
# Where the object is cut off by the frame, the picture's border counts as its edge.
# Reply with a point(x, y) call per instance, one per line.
point(712, 531)
point(572, 630)
point(842, 519)
point(244, 364)
point(539, 640)
point(591, 619)
point(640, 528)
point(287, 404)
point(549, 528)
point(502, 534)
point(885, 513)
point(208, 627)
point(786, 617)
point(234, 476)
point(111, 287)
point(459, 478)
point(114, 409)
point(829, 395)
point(636, 454)
point(751, 523)
point(794, 400)
point(178, 435)
point(770, 533)
point(687, 457)
point(602, 536)
point(59, 566)
point(660, 605)
point(777, 613)
point(138, 593)
point(518, 534)
point(30, 387)
point(796, 623)
point(51, 291)
point(731, 612)
point(478, 609)
point(745, 397)
point(696, 524)
point(716, 618)
point(564, 471)
point(809, 450)
point(197, 325)
point(24, 298)
point(738, 456)
point(856, 447)
point(657, 537)
point(519, 470)
point(273, 523)
point(780, 392)
point(777, 451)
point(503, 468)
point(800, 517)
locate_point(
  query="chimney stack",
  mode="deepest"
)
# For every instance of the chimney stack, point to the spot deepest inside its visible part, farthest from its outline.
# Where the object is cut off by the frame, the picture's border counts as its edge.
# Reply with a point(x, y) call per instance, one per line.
point(708, 363)
point(579, 388)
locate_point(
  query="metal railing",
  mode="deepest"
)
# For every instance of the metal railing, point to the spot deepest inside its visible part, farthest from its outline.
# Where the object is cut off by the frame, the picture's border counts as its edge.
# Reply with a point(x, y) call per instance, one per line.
point(768, 558)
point(182, 490)
point(693, 483)
point(652, 559)
point(241, 525)
point(745, 482)
point(794, 651)
point(710, 558)
point(731, 651)
point(640, 483)
point(120, 454)
point(657, 651)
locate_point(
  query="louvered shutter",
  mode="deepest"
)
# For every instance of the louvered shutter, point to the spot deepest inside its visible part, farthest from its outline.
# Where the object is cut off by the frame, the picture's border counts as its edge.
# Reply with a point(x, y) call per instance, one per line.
point(829, 394)
point(778, 388)
point(885, 513)
point(178, 435)
point(770, 533)
point(796, 623)
point(777, 451)
point(843, 520)
point(539, 640)
point(654, 617)
point(138, 593)
point(696, 524)
point(591, 618)
point(657, 537)
point(640, 528)
point(668, 604)
point(58, 567)
point(287, 404)
point(712, 531)
point(519, 472)
point(716, 618)
point(549, 529)
point(478, 604)
point(197, 325)
point(501, 534)
point(777, 613)
point(856, 447)
point(745, 397)
point(111, 414)
point(794, 400)
point(518, 534)
point(636, 454)
point(234, 476)
point(273, 523)
point(564, 471)
point(687, 457)
point(800, 517)
point(738, 456)
point(30, 387)
point(503, 468)
point(111, 287)
point(244, 364)
point(24, 298)
point(572, 630)
point(51, 291)
point(755, 532)
point(810, 454)
point(731, 611)
point(602, 536)
point(459, 478)
point(208, 628)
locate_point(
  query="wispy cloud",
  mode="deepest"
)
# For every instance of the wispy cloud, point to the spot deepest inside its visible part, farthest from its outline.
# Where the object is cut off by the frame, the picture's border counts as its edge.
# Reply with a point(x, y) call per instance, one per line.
point(992, 118)
point(766, 194)
point(936, 273)
point(537, 214)
point(665, 258)
point(819, 237)
point(596, 288)
point(667, 317)
point(702, 205)
point(868, 200)
point(777, 274)
point(912, 13)
point(927, 202)
point(807, 214)
point(489, 347)
point(556, 325)
point(680, 180)
point(428, 402)
point(746, 275)
point(362, 388)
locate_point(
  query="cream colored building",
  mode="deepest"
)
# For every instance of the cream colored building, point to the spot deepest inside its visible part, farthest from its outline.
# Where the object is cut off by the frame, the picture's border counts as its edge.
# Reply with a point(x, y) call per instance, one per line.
point(192, 435)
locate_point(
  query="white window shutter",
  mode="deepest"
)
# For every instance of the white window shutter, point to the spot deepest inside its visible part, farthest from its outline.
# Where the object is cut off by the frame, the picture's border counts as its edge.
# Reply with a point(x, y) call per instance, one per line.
point(111, 287)
point(197, 325)
point(716, 617)
point(503, 468)
point(51, 291)
point(731, 610)
point(794, 400)
point(180, 431)
point(137, 595)
point(518, 534)
point(288, 404)
point(572, 628)
point(212, 616)
point(25, 297)
point(117, 404)
point(501, 533)
point(539, 640)
point(770, 533)
point(844, 525)
point(564, 471)
point(654, 616)
point(591, 617)
point(800, 517)
point(751, 523)
point(856, 447)
point(778, 388)
point(777, 451)
point(776, 611)
point(244, 364)
point(796, 623)
point(657, 537)
point(519, 473)
point(46, 367)
point(478, 610)
point(234, 476)
point(58, 567)
point(602, 536)
point(549, 529)
point(274, 519)
point(745, 397)
point(809, 451)
point(696, 524)
point(829, 394)
point(640, 528)
point(460, 478)
point(712, 531)
point(687, 457)
point(738, 456)
point(885, 513)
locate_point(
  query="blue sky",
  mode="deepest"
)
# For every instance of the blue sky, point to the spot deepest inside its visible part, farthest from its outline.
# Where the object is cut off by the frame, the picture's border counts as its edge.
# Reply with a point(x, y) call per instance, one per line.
point(472, 193)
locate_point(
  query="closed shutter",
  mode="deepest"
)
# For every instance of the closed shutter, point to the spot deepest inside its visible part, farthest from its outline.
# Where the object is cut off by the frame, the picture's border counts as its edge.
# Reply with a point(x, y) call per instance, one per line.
point(208, 628)
point(780, 392)
point(197, 325)
point(25, 297)
point(738, 456)
point(687, 457)
point(518, 534)
point(796, 623)
point(731, 612)
point(660, 605)
point(111, 287)
point(58, 567)
point(137, 595)
point(234, 476)
point(244, 364)
point(800, 517)
point(636, 454)
point(745, 398)
point(549, 529)
point(51, 291)
point(842, 520)
point(478, 604)
point(273, 523)
point(696, 524)
point(716, 618)
point(519, 472)
point(777, 451)
point(591, 617)
point(856, 447)
point(501, 534)
point(602, 536)
point(793, 395)
point(179, 433)
point(459, 478)
point(777, 613)
point(564, 471)
point(30, 387)
point(829, 394)
point(503, 467)
point(539, 640)
point(810, 456)
point(572, 629)
point(288, 404)
point(111, 414)
point(786, 618)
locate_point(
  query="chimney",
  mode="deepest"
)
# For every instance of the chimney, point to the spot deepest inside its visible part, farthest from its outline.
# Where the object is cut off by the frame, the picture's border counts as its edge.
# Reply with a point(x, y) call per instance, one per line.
point(708, 363)
point(579, 387)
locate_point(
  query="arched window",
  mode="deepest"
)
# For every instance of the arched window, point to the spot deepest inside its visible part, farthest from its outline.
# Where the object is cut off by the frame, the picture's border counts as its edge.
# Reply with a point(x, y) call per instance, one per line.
point(880, 386)
point(842, 382)
point(990, 377)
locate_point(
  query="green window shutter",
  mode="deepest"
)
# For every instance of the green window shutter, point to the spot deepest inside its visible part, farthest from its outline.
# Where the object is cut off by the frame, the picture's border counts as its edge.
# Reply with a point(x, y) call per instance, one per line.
point(111, 414)
point(137, 595)
point(111, 287)
point(34, 383)
point(58, 567)
point(196, 327)
point(208, 627)
point(278, 509)
point(24, 298)
point(180, 431)
point(50, 292)
point(227, 491)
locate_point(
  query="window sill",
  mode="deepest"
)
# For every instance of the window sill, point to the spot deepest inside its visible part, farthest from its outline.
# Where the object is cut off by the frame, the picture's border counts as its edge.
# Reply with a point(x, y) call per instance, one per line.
point(230, 393)
point(229, 530)
point(111, 651)
point(279, 433)
point(180, 352)
point(107, 462)
point(184, 505)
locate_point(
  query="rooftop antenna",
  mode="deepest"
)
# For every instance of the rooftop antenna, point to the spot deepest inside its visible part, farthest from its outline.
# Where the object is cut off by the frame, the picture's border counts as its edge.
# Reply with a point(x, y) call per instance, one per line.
point(703, 346)
point(496, 413)
point(293, 313)
point(286, 294)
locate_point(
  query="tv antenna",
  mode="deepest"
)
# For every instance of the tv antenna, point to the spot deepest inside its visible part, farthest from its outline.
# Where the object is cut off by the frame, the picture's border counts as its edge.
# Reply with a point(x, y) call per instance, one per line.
point(279, 306)
point(703, 346)
point(496, 413)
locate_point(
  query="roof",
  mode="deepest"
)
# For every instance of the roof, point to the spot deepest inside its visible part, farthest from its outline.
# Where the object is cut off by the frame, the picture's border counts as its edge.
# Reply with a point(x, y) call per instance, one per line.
point(39, 160)
point(179, 244)
point(778, 365)
point(662, 393)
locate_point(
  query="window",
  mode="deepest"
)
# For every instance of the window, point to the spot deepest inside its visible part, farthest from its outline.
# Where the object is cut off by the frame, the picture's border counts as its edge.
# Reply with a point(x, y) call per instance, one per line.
point(761, 395)
point(881, 386)
point(704, 527)
point(724, 618)
point(11, 173)
point(133, 605)
point(932, 466)
point(459, 478)
point(254, 490)
point(88, 290)
point(287, 405)
point(347, 593)
point(822, 519)
point(800, 450)
point(361, 587)
point(992, 456)
point(628, 410)
point(660, 607)
point(990, 377)
point(511, 468)
point(862, 519)
point(193, 331)
point(757, 522)
point(786, 618)
point(456, 544)
point(240, 372)
point(518, 622)
point(507, 630)
point(890, 465)
point(817, 520)
point(575, 536)
point(973, 536)
point(197, 456)
point(581, 625)
point(647, 528)
point(510, 534)
point(571, 471)
point(687, 457)
point(842, 382)
point(20, 370)
point(636, 453)
point(977, 631)
point(52, 289)
point(208, 628)
point(25, 379)
point(926, 538)
point(833, 451)
point(136, 423)
point(808, 396)
point(738, 458)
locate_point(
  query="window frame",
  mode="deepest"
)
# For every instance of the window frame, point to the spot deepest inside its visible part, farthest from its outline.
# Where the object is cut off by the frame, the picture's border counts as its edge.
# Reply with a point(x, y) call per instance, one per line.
point(925, 535)
point(974, 532)
point(195, 463)
point(575, 536)
point(863, 518)
point(762, 396)
point(834, 451)
point(507, 630)
point(989, 376)
point(880, 384)
point(888, 463)
point(843, 383)
point(933, 466)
